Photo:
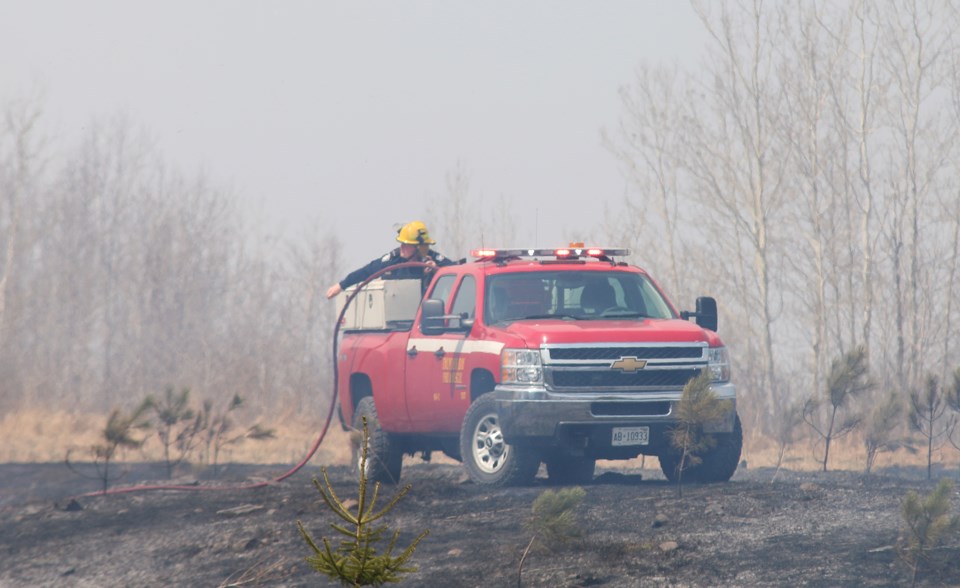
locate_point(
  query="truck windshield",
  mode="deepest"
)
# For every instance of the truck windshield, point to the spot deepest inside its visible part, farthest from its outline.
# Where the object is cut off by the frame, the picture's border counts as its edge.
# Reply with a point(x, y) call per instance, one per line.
point(574, 295)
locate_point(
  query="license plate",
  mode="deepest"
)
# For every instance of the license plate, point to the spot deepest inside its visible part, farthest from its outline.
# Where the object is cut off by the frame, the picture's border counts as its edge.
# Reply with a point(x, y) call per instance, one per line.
point(630, 436)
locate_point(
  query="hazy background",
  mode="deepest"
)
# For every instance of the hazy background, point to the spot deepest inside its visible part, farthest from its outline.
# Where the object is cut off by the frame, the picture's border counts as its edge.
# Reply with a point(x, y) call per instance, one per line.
point(181, 183)
point(351, 113)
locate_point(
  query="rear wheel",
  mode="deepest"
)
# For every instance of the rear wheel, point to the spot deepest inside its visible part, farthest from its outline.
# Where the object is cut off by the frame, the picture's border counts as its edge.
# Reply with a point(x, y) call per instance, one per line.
point(488, 458)
point(384, 459)
point(718, 464)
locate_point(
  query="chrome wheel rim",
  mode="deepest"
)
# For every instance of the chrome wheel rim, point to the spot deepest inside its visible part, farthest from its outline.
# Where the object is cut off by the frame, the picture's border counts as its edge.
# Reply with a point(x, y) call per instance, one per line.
point(489, 449)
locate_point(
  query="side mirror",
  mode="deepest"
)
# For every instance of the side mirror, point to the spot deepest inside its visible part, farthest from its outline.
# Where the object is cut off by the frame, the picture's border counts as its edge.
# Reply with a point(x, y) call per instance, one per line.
point(431, 316)
point(706, 313)
point(434, 322)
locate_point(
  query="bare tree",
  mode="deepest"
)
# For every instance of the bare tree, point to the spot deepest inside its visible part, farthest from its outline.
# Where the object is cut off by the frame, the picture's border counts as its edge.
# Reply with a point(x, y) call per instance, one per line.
point(20, 149)
point(738, 167)
point(923, 140)
point(135, 274)
point(454, 215)
point(646, 144)
point(313, 262)
point(817, 164)
point(860, 124)
point(500, 228)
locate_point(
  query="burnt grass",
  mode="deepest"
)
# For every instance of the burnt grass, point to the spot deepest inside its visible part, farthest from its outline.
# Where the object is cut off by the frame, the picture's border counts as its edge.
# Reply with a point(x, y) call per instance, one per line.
point(801, 529)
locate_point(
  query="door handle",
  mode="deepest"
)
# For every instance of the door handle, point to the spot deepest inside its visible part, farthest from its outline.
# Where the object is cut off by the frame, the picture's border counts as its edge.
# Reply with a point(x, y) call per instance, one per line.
point(440, 352)
point(412, 352)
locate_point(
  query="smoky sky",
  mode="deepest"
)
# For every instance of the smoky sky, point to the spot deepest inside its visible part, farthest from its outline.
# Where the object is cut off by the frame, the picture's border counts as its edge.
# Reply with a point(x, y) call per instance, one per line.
point(347, 116)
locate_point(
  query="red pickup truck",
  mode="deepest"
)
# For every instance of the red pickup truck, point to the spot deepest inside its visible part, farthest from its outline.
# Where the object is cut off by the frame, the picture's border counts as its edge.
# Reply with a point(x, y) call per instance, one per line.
point(523, 357)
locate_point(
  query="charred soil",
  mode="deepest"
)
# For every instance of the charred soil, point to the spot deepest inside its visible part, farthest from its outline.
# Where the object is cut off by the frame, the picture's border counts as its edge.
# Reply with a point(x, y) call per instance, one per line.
point(802, 529)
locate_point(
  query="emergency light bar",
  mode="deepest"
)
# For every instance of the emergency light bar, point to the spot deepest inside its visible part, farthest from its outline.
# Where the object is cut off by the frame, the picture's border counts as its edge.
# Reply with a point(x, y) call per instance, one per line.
point(559, 253)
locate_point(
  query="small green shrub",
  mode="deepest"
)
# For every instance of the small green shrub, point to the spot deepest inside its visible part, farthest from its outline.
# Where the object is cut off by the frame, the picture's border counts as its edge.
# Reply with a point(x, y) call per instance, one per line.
point(927, 525)
point(698, 406)
point(117, 434)
point(554, 521)
point(831, 416)
point(355, 561)
point(178, 426)
point(219, 430)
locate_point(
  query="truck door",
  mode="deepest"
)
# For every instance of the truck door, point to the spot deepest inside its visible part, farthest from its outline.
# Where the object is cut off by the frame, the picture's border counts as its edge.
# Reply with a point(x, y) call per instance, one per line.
point(438, 390)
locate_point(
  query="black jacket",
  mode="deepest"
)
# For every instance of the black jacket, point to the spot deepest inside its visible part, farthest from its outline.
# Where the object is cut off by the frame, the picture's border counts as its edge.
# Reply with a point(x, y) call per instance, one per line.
point(393, 258)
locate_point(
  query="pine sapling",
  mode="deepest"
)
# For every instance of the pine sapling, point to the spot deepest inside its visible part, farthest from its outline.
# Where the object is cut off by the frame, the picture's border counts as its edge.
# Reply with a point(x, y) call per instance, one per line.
point(928, 524)
point(178, 427)
point(953, 401)
point(219, 430)
point(928, 409)
point(849, 378)
point(698, 406)
point(554, 521)
point(117, 434)
point(355, 561)
point(880, 429)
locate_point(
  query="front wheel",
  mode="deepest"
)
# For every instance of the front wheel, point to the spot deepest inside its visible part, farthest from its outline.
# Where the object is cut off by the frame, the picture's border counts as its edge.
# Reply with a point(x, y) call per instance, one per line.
point(384, 459)
point(718, 464)
point(488, 458)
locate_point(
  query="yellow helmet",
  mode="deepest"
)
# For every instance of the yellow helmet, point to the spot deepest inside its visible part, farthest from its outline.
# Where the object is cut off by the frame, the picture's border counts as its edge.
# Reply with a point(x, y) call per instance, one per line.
point(415, 233)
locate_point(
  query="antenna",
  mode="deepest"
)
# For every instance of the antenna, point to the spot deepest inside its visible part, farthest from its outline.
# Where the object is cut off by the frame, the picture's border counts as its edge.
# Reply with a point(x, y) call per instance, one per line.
point(536, 227)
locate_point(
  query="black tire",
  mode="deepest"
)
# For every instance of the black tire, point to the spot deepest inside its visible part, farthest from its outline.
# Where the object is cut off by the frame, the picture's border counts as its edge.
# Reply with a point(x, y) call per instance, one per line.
point(717, 465)
point(566, 469)
point(488, 458)
point(384, 459)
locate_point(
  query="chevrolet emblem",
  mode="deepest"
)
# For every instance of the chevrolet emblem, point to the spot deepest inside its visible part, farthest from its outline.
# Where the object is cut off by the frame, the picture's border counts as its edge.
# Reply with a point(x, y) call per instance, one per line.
point(628, 364)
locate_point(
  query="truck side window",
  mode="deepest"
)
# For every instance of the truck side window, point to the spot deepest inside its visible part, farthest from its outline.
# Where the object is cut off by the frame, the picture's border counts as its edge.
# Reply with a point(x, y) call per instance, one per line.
point(517, 296)
point(442, 288)
point(466, 300)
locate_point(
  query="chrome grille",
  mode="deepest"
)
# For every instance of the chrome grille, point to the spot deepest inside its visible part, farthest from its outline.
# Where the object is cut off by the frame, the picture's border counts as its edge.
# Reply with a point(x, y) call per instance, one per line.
point(587, 368)
point(614, 353)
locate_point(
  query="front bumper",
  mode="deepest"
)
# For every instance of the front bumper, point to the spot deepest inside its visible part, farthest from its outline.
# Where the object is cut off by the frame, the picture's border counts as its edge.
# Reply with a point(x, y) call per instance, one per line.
point(535, 412)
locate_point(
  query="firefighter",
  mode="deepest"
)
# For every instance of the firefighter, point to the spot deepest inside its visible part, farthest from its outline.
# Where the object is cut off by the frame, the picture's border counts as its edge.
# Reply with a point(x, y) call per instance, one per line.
point(415, 245)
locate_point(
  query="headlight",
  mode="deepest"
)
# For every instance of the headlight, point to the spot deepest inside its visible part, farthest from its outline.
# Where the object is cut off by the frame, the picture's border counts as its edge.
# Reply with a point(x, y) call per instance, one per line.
point(520, 366)
point(718, 362)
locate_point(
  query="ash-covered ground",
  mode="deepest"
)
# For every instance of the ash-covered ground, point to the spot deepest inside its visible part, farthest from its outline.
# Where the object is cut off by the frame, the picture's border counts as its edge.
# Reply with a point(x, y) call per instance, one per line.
point(801, 529)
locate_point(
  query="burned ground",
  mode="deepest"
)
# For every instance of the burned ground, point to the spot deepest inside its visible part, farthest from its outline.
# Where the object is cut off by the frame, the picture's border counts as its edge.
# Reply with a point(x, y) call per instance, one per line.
point(813, 529)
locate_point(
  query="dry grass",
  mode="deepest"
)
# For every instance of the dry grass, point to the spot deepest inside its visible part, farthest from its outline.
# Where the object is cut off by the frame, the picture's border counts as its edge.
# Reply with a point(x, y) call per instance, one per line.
point(45, 437)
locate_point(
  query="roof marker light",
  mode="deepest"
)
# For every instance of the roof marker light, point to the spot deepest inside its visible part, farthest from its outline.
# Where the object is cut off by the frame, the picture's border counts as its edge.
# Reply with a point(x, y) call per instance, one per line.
point(575, 251)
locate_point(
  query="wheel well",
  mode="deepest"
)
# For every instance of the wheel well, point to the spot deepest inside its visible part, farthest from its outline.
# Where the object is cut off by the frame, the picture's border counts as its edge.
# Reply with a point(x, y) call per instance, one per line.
point(481, 382)
point(360, 387)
